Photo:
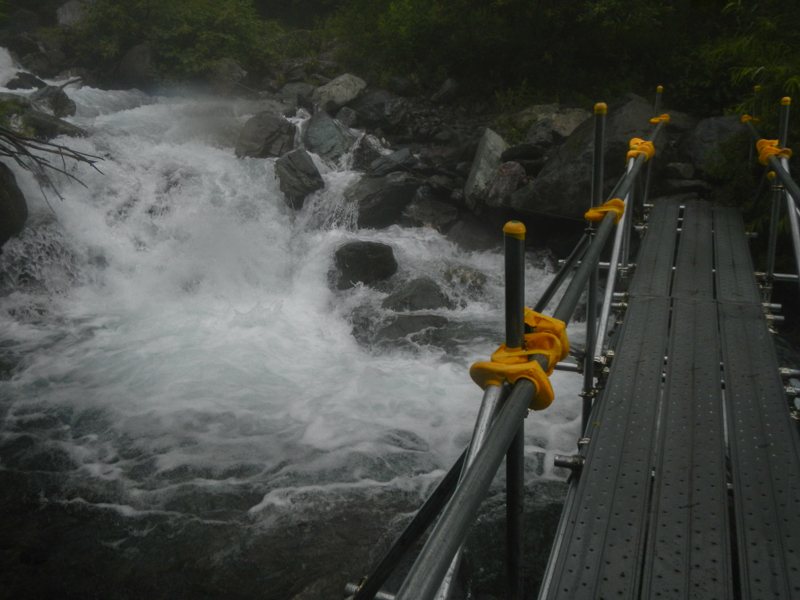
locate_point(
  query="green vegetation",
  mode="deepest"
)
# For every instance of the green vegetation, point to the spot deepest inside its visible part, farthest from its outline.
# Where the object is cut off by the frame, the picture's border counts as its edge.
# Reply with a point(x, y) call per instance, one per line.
point(188, 37)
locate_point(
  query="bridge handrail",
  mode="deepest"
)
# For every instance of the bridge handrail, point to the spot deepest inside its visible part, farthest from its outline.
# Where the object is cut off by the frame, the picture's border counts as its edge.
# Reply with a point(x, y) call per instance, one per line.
point(502, 435)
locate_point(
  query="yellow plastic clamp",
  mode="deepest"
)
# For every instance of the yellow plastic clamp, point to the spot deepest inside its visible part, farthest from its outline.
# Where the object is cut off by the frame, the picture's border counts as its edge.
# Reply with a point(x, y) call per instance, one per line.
point(549, 338)
point(746, 118)
point(639, 146)
point(767, 148)
point(491, 373)
point(598, 213)
point(659, 118)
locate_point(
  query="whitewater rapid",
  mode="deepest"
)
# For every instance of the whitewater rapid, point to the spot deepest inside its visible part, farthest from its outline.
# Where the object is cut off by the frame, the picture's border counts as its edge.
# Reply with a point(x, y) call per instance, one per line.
point(171, 324)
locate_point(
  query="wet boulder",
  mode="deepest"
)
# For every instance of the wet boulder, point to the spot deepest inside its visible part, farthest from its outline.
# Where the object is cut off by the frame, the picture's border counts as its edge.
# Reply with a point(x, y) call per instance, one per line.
point(362, 262)
point(70, 13)
point(379, 109)
point(266, 135)
point(25, 81)
point(136, 67)
point(431, 213)
point(422, 293)
point(414, 326)
point(47, 127)
point(510, 176)
point(334, 95)
point(298, 177)
point(325, 137)
point(484, 168)
point(13, 208)
point(563, 186)
point(54, 100)
point(226, 76)
point(701, 145)
point(401, 160)
point(471, 233)
point(380, 200)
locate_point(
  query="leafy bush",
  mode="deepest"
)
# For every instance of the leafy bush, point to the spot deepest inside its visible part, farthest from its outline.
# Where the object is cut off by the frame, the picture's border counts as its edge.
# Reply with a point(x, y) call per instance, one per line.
point(188, 37)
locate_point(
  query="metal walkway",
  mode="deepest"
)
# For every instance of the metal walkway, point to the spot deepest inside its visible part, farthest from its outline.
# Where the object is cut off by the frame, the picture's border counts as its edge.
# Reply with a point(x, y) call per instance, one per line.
point(691, 481)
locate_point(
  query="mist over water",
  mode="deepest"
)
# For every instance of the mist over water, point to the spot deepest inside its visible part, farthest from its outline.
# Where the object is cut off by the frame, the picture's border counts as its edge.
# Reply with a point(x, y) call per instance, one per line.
point(172, 332)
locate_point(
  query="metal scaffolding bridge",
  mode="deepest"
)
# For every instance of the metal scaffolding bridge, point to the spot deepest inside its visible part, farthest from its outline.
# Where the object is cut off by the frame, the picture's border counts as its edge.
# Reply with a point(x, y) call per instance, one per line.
point(686, 482)
point(691, 482)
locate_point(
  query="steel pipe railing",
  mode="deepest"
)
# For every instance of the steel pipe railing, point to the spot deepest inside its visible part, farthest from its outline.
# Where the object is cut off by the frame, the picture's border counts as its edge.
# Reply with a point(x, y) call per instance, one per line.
point(499, 428)
point(431, 566)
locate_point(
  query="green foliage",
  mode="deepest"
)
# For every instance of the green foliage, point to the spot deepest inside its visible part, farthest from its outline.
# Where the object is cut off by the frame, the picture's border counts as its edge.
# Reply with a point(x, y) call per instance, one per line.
point(188, 37)
point(598, 48)
point(760, 46)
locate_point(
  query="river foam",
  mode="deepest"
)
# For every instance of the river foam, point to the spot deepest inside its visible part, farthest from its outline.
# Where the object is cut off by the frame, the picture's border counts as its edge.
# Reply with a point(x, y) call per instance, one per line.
point(171, 325)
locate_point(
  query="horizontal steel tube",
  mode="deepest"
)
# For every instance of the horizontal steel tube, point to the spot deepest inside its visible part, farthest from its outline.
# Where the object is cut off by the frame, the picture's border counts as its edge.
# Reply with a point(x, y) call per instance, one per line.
point(573, 293)
point(425, 576)
point(566, 267)
point(419, 524)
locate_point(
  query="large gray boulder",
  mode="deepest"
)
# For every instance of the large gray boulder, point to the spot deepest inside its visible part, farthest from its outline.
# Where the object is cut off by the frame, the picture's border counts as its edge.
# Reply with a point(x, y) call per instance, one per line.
point(484, 167)
point(422, 293)
point(701, 145)
point(362, 262)
point(334, 95)
point(299, 177)
point(225, 76)
point(137, 66)
point(401, 160)
point(25, 81)
point(52, 99)
point(46, 127)
point(563, 187)
point(71, 13)
point(380, 200)
point(13, 208)
point(379, 108)
point(266, 135)
point(325, 137)
point(430, 213)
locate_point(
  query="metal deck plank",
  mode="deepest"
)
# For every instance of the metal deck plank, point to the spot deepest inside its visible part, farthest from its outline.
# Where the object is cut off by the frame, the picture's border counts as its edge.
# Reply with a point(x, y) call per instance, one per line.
point(688, 553)
point(654, 263)
point(695, 261)
point(764, 444)
point(735, 280)
point(601, 555)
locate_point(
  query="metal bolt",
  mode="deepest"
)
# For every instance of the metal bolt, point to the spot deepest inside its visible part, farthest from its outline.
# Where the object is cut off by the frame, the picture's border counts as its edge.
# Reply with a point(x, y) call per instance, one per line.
point(574, 463)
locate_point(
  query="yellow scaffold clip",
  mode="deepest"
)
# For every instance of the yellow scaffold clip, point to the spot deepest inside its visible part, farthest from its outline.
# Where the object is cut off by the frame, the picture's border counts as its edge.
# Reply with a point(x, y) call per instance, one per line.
point(598, 213)
point(639, 146)
point(659, 118)
point(746, 118)
point(549, 338)
point(767, 148)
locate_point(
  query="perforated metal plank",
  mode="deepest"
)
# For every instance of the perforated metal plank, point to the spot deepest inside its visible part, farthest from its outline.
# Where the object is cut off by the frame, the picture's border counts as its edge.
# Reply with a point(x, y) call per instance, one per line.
point(688, 553)
point(654, 263)
point(601, 556)
point(735, 281)
point(764, 445)
point(765, 457)
point(695, 261)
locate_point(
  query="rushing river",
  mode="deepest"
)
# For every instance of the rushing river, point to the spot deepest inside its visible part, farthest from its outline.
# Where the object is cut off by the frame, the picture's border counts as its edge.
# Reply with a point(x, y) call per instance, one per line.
point(182, 383)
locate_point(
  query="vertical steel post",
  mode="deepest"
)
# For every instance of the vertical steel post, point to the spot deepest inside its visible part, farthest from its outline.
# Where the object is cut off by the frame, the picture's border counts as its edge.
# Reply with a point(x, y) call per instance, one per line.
point(515, 514)
point(600, 110)
point(515, 458)
point(777, 200)
point(794, 219)
point(656, 108)
point(515, 283)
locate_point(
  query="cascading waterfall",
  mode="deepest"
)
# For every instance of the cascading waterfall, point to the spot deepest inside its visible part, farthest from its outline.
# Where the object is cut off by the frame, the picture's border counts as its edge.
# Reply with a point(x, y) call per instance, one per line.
point(173, 347)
